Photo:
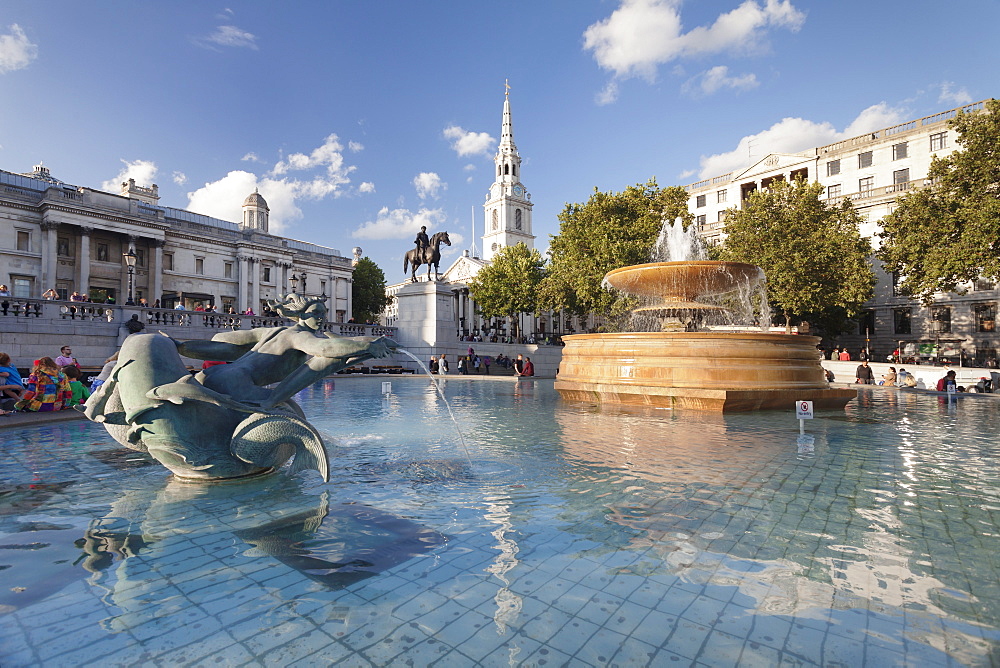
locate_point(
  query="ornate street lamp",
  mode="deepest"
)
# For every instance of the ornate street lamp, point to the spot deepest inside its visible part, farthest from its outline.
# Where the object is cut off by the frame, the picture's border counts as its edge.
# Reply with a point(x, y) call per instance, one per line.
point(130, 258)
point(295, 282)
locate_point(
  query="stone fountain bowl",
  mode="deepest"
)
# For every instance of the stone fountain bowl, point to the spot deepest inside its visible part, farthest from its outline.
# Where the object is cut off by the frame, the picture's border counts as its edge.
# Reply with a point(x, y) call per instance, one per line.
point(682, 281)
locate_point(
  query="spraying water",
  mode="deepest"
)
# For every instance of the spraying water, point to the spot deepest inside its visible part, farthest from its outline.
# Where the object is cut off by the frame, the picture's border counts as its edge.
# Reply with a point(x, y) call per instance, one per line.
point(675, 244)
point(440, 391)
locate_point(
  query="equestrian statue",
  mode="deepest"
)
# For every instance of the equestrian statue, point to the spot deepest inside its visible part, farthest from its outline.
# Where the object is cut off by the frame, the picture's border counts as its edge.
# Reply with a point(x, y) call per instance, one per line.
point(229, 420)
point(428, 251)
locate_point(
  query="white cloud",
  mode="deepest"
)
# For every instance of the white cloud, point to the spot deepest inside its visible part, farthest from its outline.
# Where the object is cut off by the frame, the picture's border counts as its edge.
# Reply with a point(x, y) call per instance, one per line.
point(180, 178)
point(229, 36)
point(224, 198)
point(366, 187)
point(251, 157)
point(641, 35)
point(428, 184)
point(143, 171)
point(717, 78)
point(465, 142)
point(956, 97)
point(355, 146)
point(329, 154)
point(399, 223)
point(791, 135)
point(469, 168)
point(608, 94)
point(16, 50)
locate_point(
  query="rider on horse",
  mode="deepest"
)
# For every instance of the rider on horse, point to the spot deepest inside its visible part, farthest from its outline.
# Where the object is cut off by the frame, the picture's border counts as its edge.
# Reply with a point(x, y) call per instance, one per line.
point(422, 241)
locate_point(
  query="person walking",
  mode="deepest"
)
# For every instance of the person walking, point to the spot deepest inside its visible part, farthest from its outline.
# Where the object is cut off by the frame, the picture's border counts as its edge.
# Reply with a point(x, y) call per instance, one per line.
point(443, 365)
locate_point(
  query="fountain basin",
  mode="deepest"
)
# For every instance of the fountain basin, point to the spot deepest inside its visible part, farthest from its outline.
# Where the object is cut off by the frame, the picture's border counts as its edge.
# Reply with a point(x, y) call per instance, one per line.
point(682, 281)
point(711, 371)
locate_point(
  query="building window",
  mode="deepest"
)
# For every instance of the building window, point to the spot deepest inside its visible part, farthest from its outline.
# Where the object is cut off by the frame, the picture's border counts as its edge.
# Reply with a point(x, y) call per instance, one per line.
point(901, 321)
point(720, 197)
point(986, 316)
point(941, 315)
point(62, 247)
point(140, 257)
point(700, 201)
point(227, 270)
point(899, 151)
point(866, 324)
point(983, 284)
point(896, 291)
point(496, 220)
point(833, 168)
point(901, 176)
point(866, 184)
point(939, 141)
point(266, 275)
point(864, 159)
point(23, 241)
point(168, 261)
point(699, 220)
point(199, 265)
point(103, 252)
point(322, 287)
point(23, 287)
point(722, 216)
point(833, 191)
point(517, 218)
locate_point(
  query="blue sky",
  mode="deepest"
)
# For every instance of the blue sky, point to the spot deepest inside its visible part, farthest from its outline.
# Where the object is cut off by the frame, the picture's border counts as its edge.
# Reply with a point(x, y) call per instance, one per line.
point(360, 121)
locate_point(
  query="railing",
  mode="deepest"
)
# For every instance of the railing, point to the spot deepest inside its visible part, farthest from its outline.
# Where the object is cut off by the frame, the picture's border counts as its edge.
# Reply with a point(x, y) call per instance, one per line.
point(61, 310)
point(20, 307)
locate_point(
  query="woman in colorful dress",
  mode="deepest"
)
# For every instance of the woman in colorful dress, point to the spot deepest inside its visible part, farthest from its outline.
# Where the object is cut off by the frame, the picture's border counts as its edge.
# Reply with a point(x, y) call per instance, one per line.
point(46, 389)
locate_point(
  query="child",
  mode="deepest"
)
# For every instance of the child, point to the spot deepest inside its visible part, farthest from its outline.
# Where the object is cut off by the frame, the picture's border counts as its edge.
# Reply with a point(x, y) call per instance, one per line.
point(11, 384)
point(80, 391)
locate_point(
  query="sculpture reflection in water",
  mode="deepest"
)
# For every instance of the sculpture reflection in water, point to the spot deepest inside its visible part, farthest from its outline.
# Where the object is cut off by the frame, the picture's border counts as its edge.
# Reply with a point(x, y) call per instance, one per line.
point(300, 537)
point(225, 422)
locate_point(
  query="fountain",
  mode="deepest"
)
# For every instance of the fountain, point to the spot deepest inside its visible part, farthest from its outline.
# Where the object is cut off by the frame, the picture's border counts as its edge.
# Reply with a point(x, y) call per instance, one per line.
point(687, 364)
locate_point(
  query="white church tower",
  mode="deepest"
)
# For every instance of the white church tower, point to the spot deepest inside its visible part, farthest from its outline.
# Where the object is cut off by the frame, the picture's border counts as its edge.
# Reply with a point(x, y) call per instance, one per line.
point(508, 204)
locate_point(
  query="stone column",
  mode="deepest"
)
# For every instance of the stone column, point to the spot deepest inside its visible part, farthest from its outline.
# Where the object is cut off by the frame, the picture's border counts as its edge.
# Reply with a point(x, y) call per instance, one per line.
point(349, 312)
point(241, 283)
point(83, 268)
point(254, 264)
point(156, 271)
point(49, 250)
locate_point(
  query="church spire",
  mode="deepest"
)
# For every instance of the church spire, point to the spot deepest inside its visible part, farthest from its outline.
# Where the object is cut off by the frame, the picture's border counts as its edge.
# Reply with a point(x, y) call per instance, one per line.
point(508, 205)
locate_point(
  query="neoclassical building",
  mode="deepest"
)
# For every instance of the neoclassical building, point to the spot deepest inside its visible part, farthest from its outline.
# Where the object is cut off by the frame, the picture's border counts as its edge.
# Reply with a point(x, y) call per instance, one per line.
point(871, 171)
point(73, 239)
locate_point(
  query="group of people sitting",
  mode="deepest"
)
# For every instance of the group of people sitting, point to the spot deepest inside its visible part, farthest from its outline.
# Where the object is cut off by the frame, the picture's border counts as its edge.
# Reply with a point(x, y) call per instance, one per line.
point(52, 385)
point(473, 363)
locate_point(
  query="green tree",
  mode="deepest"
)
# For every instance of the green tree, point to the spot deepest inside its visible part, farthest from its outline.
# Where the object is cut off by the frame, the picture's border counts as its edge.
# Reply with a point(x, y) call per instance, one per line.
point(948, 233)
point(368, 291)
point(813, 255)
point(609, 231)
point(508, 286)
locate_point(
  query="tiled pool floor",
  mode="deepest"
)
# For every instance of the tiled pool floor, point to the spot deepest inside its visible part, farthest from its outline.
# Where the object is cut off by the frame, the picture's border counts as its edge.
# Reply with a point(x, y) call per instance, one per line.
point(572, 534)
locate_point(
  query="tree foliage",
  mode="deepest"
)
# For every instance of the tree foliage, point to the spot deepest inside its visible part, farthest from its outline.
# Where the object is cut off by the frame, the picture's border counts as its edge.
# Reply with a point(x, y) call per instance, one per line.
point(368, 291)
point(948, 233)
point(508, 286)
point(609, 231)
point(813, 255)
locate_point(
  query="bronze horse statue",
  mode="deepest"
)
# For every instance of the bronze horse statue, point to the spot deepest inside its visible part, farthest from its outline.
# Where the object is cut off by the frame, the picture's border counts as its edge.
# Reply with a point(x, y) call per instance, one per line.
point(431, 255)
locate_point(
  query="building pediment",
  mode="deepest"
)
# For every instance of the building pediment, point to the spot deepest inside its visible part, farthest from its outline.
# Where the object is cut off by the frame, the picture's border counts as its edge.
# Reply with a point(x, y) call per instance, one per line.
point(463, 270)
point(773, 162)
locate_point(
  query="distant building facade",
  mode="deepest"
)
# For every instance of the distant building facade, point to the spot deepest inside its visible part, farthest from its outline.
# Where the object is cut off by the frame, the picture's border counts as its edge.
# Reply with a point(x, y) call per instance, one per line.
point(871, 171)
point(72, 239)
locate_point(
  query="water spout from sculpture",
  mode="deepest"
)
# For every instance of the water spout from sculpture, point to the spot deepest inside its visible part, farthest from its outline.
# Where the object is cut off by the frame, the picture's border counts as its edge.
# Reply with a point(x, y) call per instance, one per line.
point(440, 391)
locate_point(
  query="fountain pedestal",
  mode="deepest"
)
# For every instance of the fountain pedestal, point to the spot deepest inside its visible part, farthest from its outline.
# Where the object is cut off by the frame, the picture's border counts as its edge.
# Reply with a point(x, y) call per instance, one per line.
point(707, 370)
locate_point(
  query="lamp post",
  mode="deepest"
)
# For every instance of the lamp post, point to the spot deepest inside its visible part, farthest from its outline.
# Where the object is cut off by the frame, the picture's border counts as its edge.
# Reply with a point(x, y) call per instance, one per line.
point(295, 282)
point(130, 258)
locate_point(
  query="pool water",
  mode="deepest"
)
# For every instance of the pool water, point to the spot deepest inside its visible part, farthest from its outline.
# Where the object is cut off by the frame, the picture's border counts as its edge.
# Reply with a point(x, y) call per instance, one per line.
point(562, 533)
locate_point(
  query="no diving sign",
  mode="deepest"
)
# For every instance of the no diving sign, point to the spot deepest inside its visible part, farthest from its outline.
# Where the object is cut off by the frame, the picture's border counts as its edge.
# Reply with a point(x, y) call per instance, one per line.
point(804, 410)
